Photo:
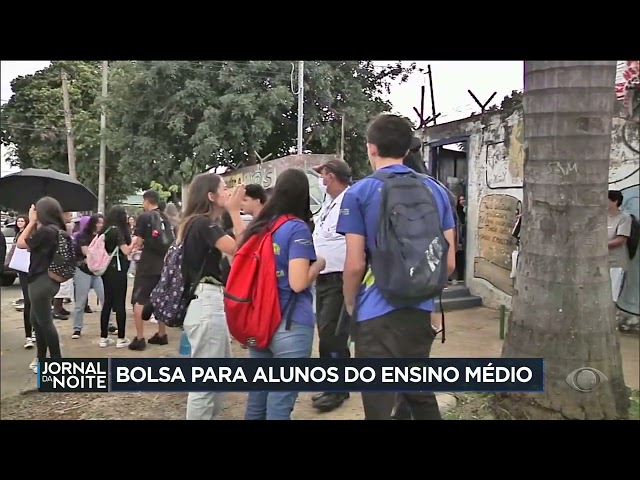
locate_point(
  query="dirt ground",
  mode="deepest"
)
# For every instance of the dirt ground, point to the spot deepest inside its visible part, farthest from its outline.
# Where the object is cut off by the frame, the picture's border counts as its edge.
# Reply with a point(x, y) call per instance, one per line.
point(470, 333)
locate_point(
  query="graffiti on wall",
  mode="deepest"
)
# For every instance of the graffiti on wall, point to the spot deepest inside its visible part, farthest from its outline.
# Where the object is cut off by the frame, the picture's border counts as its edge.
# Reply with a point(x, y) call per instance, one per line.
point(627, 78)
point(496, 219)
point(625, 145)
point(505, 160)
point(265, 176)
point(629, 300)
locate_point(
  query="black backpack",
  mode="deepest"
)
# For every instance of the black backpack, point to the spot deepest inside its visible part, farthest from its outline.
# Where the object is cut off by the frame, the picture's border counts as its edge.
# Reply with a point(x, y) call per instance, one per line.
point(409, 261)
point(63, 264)
point(634, 237)
point(164, 238)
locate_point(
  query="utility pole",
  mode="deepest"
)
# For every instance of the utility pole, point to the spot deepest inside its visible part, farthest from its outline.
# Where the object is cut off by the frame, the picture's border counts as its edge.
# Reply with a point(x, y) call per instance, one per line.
point(342, 139)
point(71, 147)
point(103, 142)
point(300, 106)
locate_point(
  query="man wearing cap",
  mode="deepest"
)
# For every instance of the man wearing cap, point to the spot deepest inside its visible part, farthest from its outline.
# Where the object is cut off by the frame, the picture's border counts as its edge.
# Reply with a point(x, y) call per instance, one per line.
point(335, 177)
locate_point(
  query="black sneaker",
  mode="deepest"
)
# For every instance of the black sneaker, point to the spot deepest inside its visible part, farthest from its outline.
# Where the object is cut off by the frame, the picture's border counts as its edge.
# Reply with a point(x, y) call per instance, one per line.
point(113, 330)
point(318, 396)
point(60, 316)
point(138, 344)
point(76, 334)
point(65, 312)
point(330, 401)
point(158, 340)
point(87, 309)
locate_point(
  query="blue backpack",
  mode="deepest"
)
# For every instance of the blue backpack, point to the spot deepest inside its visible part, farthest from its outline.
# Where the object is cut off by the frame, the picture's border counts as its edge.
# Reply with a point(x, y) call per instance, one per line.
point(409, 261)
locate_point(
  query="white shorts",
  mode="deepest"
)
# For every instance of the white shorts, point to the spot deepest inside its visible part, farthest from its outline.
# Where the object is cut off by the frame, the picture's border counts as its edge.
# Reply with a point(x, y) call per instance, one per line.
point(617, 278)
point(66, 290)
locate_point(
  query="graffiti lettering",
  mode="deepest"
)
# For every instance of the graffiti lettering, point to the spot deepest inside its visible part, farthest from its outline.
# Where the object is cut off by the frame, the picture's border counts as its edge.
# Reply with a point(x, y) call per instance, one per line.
point(562, 168)
point(265, 177)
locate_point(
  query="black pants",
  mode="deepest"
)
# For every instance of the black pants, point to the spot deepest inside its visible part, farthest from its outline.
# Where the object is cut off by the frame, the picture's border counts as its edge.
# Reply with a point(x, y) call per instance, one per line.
point(115, 293)
point(26, 313)
point(460, 264)
point(405, 333)
point(329, 303)
point(41, 292)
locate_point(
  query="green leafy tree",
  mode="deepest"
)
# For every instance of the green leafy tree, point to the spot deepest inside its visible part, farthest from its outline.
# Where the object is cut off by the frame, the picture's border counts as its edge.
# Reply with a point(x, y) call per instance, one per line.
point(165, 193)
point(33, 127)
point(172, 120)
point(177, 119)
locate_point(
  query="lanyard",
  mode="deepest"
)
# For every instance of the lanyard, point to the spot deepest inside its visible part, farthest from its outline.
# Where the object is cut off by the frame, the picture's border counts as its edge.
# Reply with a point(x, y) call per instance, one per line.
point(324, 216)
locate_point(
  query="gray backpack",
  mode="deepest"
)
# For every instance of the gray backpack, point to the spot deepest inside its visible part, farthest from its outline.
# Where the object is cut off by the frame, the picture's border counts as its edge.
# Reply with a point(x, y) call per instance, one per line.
point(409, 261)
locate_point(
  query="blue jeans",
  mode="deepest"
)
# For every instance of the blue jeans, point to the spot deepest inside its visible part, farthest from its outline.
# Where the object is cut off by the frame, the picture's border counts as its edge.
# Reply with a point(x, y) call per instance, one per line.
point(84, 283)
point(294, 343)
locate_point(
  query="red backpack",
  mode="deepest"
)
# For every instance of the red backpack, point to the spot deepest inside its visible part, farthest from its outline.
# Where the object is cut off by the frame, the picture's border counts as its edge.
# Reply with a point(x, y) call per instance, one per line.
point(251, 301)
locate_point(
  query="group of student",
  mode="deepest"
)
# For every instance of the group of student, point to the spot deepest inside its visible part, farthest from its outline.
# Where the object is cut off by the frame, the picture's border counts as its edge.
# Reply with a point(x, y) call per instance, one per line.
point(212, 230)
point(382, 329)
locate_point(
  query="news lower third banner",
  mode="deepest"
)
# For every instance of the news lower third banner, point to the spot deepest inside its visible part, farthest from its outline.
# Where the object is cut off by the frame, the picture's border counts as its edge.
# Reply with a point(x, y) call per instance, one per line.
point(290, 374)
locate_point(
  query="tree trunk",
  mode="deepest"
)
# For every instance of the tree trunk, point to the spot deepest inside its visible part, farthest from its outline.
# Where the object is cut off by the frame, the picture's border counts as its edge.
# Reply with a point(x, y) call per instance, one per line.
point(185, 195)
point(563, 309)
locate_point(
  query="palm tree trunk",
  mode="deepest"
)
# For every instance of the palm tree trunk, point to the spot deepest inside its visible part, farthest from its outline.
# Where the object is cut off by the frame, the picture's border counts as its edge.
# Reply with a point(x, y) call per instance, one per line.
point(562, 309)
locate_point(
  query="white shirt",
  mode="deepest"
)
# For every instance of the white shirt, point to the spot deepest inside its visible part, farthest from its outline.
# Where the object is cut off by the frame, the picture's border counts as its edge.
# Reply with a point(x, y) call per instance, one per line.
point(329, 244)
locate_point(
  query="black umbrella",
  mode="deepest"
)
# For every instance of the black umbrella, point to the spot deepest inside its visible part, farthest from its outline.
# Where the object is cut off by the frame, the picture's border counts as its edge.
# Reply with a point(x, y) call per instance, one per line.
point(19, 190)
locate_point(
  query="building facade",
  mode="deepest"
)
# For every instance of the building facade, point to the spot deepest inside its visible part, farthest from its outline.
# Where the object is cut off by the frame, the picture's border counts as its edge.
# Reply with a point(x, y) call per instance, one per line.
point(489, 172)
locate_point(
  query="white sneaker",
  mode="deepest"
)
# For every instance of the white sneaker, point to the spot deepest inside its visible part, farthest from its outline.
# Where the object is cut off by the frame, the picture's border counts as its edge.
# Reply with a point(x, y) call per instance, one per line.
point(105, 342)
point(152, 319)
point(28, 342)
point(123, 343)
point(33, 336)
point(33, 366)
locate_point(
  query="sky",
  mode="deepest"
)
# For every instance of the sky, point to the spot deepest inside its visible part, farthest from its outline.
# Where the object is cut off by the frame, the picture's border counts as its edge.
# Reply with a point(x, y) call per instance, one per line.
point(451, 80)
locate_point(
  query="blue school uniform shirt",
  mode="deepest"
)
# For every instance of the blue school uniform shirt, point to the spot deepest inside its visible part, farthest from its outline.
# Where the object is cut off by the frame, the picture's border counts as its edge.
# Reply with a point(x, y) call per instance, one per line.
point(293, 240)
point(359, 215)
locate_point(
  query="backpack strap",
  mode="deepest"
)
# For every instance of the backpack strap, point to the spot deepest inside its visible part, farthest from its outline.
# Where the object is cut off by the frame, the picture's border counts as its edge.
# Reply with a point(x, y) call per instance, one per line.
point(194, 285)
point(289, 307)
point(276, 223)
point(115, 252)
point(453, 211)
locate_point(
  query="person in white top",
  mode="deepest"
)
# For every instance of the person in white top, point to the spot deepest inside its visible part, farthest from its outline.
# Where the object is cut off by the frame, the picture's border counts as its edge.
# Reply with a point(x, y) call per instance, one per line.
point(335, 177)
